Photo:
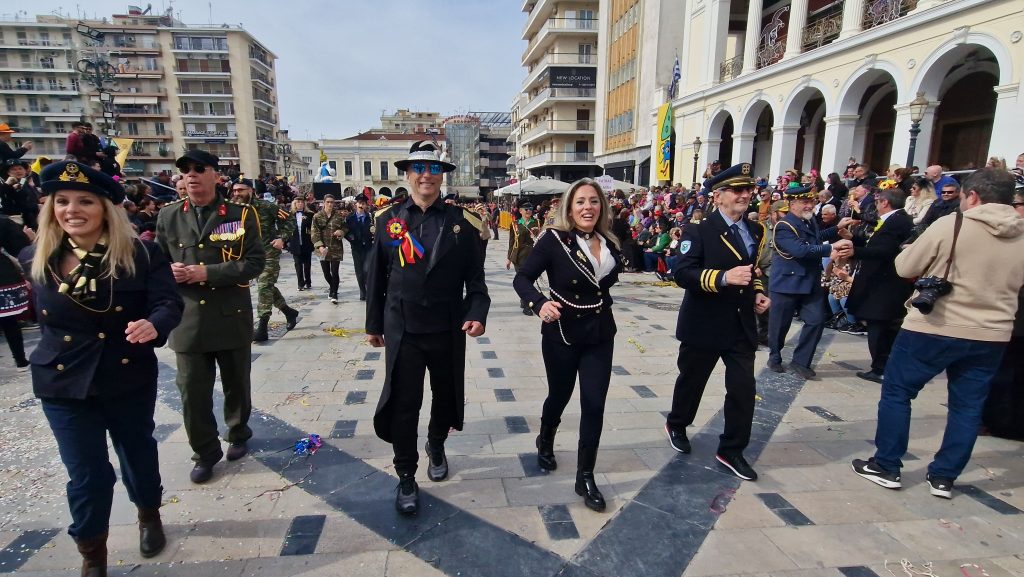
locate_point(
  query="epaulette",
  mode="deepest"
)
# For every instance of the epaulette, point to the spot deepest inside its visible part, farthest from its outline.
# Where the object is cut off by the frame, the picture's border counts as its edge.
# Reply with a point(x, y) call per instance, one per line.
point(473, 219)
point(236, 203)
point(175, 201)
point(281, 213)
point(382, 211)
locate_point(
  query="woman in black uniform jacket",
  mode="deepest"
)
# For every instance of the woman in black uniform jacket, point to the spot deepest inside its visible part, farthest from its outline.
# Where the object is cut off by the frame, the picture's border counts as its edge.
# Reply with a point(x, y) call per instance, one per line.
point(582, 260)
point(104, 300)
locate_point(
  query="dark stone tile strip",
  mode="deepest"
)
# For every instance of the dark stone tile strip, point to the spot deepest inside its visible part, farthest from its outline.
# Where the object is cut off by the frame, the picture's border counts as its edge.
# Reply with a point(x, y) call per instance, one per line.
point(685, 498)
point(784, 510)
point(530, 466)
point(365, 374)
point(23, 547)
point(987, 499)
point(825, 414)
point(303, 535)
point(165, 430)
point(373, 356)
point(619, 370)
point(496, 373)
point(847, 366)
point(504, 395)
point(355, 398)
point(859, 571)
point(517, 425)
point(254, 356)
point(558, 522)
point(658, 327)
point(344, 429)
point(488, 355)
point(644, 392)
point(483, 340)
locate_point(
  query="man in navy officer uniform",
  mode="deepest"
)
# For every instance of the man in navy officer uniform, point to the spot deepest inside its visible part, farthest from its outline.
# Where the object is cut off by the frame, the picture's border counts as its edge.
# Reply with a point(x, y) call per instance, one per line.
point(425, 293)
point(360, 239)
point(796, 281)
point(717, 320)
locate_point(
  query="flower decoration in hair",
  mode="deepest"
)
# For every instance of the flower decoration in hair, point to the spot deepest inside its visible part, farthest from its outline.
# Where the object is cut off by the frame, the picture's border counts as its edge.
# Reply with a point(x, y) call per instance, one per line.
point(887, 184)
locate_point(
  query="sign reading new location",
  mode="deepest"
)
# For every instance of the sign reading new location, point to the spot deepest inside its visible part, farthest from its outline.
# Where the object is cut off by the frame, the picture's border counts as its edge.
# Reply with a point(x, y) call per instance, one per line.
point(570, 77)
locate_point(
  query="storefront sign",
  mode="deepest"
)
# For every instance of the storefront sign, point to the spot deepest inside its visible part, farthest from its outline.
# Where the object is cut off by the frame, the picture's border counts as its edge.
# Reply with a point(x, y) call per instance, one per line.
point(570, 77)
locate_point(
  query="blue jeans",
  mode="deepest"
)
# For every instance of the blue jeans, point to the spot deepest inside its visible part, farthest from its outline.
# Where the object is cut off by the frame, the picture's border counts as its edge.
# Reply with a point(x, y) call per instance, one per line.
point(840, 305)
point(916, 358)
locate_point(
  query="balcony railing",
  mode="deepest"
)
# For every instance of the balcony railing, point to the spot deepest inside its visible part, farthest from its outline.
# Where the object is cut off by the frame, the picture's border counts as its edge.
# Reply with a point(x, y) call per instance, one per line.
point(558, 157)
point(37, 87)
point(205, 112)
point(560, 126)
point(209, 134)
point(878, 12)
point(823, 29)
point(562, 24)
point(561, 93)
point(730, 68)
point(195, 70)
point(134, 69)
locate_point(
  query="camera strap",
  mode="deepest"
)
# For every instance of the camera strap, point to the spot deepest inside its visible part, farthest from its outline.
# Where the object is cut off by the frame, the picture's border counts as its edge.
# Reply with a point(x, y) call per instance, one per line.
point(952, 249)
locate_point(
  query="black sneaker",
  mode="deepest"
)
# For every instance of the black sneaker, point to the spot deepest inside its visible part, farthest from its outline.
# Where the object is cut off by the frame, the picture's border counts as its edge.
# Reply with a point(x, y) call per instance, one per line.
point(407, 496)
point(201, 472)
point(872, 472)
point(855, 329)
point(776, 367)
point(738, 466)
point(940, 486)
point(677, 439)
point(871, 375)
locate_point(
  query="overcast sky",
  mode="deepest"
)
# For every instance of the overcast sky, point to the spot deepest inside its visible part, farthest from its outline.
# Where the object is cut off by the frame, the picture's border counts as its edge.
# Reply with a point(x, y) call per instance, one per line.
point(340, 63)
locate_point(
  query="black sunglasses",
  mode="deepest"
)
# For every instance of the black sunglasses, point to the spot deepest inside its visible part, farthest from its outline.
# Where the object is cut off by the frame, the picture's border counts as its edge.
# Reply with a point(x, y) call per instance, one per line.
point(199, 168)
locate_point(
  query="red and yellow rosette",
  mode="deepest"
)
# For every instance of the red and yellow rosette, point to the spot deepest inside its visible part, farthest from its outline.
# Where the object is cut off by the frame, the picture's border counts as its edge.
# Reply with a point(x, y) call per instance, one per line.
point(408, 247)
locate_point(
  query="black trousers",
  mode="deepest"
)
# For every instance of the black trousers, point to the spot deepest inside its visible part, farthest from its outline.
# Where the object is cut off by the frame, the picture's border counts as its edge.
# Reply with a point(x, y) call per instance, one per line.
point(881, 336)
point(417, 354)
point(303, 266)
point(330, 268)
point(359, 261)
point(695, 366)
point(80, 427)
point(12, 333)
point(563, 363)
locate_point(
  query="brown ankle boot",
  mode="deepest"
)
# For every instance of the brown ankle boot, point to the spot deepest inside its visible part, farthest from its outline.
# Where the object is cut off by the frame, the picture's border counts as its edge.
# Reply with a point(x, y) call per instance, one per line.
point(94, 556)
point(151, 532)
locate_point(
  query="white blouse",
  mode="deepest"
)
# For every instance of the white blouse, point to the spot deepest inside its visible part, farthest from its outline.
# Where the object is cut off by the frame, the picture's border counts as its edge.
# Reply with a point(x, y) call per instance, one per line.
point(603, 268)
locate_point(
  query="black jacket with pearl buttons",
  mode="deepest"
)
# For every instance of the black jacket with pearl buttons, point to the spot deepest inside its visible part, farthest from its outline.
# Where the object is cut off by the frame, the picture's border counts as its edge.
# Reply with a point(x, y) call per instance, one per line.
point(586, 305)
point(82, 351)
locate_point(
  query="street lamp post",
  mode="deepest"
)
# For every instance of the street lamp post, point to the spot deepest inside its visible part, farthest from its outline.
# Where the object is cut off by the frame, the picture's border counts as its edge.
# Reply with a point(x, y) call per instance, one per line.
point(696, 155)
point(918, 106)
point(286, 151)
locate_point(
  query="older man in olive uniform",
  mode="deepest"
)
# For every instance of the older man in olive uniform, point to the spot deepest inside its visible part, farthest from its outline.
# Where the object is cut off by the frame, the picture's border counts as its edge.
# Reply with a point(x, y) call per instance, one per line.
point(425, 293)
point(215, 250)
point(521, 235)
point(276, 227)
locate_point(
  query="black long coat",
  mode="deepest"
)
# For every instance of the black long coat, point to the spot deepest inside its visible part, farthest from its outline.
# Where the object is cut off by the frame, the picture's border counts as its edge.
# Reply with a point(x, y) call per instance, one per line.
point(878, 293)
point(586, 313)
point(301, 241)
point(82, 351)
point(446, 289)
point(715, 315)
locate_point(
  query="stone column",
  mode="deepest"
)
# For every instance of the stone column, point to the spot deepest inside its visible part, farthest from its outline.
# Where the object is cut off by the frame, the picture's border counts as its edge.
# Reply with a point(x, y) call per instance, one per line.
point(718, 30)
point(752, 37)
point(853, 18)
point(795, 29)
point(783, 149)
point(1008, 125)
point(901, 136)
point(743, 147)
point(710, 150)
point(838, 144)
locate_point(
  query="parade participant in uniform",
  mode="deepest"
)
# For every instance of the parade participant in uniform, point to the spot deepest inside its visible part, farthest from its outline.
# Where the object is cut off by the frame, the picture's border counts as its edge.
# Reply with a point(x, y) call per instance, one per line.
point(360, 239)
point(582, 261)
point(215, 250)
point(18, 197)
point(425, 292)
point(796, 281)
point(717, 267)
point(328, 230)
point(301, 243)
point(276, 228)
point(105, 301)
point(521, 235)
point(14, 294)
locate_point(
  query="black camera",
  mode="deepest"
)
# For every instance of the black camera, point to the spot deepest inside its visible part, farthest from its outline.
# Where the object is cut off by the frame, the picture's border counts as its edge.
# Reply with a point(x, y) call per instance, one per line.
point(929, 290)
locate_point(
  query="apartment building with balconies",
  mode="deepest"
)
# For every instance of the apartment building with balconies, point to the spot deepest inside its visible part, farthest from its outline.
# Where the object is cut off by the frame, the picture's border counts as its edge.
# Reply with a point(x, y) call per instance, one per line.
point(555, 131)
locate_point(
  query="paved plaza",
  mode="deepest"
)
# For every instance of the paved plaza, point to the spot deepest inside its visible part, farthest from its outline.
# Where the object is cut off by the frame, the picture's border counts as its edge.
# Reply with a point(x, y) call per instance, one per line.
point(274, 514)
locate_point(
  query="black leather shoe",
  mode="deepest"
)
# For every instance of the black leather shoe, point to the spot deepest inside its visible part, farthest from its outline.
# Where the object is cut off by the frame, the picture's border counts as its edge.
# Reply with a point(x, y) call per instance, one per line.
point(546, 448)
point(151, 533)
point(201, 472)
point(805, 372)
point(870, 376)
point(586, 487)
point(407, 497)
point(261, 335)
point(677, 439)
point(437, 462)
point(776, 367)
point(291, 318)
point(738, 466)
point(237, 450)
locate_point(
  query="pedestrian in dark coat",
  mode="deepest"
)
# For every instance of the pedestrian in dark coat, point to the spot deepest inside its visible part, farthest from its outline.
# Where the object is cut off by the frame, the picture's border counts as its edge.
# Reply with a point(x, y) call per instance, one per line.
point(878, 295)
point(105, 300)
point(425, 293)
point(301, 243)
point(6, 152)
point(360, 239)
point(14, 292)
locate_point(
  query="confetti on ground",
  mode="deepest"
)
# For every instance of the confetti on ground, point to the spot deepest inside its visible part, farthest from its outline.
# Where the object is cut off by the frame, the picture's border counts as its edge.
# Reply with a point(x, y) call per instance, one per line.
point(638, 346)
point(343, 333)
point(950, 525)
point(721, 501)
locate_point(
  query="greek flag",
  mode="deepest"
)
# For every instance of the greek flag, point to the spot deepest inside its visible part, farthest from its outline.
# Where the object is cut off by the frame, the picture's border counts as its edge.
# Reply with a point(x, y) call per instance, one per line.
point(677, 73)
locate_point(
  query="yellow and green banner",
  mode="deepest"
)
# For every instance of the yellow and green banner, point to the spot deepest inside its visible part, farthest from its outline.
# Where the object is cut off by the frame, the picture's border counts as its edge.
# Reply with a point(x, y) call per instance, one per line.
point(664, 142)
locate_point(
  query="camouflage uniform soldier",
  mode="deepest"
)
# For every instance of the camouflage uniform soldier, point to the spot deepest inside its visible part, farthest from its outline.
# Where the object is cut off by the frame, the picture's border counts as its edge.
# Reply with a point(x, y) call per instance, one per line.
point(328, 233)
point(275, 228)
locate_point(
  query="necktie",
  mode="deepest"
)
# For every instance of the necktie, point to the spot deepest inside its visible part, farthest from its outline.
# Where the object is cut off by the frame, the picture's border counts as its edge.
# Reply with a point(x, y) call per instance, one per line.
point(200, 217)
point(736, 231)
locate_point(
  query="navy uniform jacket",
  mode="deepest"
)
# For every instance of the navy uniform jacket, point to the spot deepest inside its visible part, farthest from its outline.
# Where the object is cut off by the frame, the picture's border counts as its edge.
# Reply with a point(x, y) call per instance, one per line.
point(878, 293)
point(441, 291)
point(586, 305)
point(359, 236)
point(796, 264)
point(715, 315)
point(82, 352)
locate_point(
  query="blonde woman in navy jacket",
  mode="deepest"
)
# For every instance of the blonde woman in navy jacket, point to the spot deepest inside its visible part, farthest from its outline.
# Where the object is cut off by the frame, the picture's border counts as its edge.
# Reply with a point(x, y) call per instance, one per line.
point(104, 300)
point(582, 260)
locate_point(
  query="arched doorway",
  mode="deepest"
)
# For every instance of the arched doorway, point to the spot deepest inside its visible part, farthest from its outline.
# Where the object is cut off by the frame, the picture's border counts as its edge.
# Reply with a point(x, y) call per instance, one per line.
point(719, 138)
point(385, 191)
point(807, 112)
point(763, 139)
point(400, 191)
point(725, 148)
point(856, 128)
point(963, 122)
point(879, 130)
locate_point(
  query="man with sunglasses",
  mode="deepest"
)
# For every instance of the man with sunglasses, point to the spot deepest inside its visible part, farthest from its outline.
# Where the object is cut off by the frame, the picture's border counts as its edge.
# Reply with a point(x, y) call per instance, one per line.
point(215, 250)
point(275, 227)
point(425, 292)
